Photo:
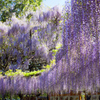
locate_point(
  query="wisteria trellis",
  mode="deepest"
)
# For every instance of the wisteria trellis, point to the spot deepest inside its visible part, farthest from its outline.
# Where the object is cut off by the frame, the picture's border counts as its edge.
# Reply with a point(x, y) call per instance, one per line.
point(79, 68)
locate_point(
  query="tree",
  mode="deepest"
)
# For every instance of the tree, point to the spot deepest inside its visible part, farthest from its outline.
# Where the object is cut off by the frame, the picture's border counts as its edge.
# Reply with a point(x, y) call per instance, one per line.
point(19, 7)
point(30, 47)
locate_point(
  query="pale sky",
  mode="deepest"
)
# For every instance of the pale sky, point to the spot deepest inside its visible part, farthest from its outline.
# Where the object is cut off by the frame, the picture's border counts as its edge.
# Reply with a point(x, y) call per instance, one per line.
point(52, 3)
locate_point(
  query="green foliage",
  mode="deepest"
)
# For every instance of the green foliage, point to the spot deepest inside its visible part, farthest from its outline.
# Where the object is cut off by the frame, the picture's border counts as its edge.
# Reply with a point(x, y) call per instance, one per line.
point(44, 94)
point(47, 66)
point(11, 73)
point(0, 97)
point(33, 73)
point(57, 48)
point(16, 97)
point(19, 72)
point(0, 73)
point(19, 7)
point(8, 96)
point(52, 62)
point(27, 74)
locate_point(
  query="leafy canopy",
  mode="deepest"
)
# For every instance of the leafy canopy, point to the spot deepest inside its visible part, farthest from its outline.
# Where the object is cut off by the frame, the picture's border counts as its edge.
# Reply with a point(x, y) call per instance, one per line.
point(17, 7)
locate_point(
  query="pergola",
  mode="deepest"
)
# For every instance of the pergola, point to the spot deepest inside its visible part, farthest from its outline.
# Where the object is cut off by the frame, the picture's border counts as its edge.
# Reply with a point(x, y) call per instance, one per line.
point(79, 68)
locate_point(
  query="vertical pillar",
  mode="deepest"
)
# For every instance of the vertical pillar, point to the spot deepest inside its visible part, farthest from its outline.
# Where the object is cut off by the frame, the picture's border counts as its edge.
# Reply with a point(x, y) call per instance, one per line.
point(83, 96)
point(97, 97)
point(47, 97)
point(21, 96)
point(68, 97)
point(79, 93)
point(91, 97)
point(3, 97)
point(10, 97)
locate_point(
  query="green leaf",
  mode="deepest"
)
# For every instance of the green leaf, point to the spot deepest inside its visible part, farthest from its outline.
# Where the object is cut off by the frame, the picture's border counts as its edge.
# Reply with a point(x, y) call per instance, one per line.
point(19, 8)
point(58, 46)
